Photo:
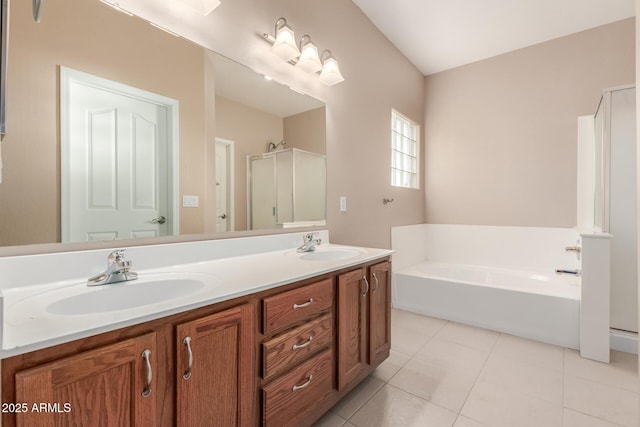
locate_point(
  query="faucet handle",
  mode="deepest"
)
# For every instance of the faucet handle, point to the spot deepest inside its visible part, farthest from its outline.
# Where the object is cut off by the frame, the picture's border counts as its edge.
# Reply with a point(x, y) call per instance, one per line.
point(116, 257)
point(309, 236)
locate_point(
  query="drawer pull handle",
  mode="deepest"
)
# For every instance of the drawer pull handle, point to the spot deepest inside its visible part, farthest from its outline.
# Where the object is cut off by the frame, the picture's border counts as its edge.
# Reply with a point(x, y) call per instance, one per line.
point(187, 341)
point(377, 282)
point(306, 383)
point(366, 282)
point(147, 389)
point(306, 304)
point(305, 344)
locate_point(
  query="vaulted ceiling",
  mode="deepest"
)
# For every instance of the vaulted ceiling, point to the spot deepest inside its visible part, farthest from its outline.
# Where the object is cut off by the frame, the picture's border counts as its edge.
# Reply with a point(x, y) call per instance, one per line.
point(438, 35)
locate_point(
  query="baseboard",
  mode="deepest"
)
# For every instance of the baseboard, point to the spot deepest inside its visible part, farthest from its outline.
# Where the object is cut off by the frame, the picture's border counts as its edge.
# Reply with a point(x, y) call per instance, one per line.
point(623, 341)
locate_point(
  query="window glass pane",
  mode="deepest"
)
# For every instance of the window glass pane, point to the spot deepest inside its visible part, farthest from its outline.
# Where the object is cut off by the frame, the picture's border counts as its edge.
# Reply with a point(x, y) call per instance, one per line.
point(404, 154)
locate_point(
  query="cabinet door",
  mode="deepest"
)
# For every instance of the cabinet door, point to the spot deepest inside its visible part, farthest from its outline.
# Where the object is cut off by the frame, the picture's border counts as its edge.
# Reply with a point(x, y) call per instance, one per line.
point(379, 312)
point(216, 369)
point(352, 327)
point(102, 387)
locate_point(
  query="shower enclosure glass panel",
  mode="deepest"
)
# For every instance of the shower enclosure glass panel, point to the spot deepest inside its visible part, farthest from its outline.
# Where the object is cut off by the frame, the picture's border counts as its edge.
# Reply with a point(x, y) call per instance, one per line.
point(286, 188)
point(615, 198)
point(598, 197)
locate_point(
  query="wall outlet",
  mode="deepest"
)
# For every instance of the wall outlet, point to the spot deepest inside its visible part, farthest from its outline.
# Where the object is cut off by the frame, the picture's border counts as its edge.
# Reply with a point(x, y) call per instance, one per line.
point(343, 203)
point(190, 201)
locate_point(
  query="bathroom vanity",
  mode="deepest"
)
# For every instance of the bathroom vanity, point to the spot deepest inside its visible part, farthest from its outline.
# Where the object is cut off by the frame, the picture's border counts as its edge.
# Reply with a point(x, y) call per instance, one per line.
point(279, 355)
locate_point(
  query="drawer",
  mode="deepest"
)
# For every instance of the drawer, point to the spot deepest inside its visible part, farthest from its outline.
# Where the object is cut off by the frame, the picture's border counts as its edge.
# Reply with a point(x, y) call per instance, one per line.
point(287, 350)
point(290, 307)
point(287, 400)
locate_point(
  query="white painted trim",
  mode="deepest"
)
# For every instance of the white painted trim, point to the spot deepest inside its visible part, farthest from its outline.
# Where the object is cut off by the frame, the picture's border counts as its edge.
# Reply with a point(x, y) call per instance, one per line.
point(624, 341)
point(231, 172)
point(67, 75)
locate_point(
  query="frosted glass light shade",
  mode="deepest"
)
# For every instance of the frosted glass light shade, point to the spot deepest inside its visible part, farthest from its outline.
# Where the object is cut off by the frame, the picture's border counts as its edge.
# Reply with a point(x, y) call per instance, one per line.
point(330, 74)
point(203, 6)
point(285, 44)
point(309, 59)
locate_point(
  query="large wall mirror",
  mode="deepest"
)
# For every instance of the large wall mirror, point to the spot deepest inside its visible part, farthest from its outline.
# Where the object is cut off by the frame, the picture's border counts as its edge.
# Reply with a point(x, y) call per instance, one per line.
point(117, 130)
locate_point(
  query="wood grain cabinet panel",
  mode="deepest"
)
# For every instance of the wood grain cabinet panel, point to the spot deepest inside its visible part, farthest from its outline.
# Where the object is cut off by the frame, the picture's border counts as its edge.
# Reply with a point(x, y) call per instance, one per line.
point(287, 350)
point(379, 312)
point(216, 369)
point(288, 400)
point(289, 308)
point(208, 366)
point(102, 387)
point(352, 325)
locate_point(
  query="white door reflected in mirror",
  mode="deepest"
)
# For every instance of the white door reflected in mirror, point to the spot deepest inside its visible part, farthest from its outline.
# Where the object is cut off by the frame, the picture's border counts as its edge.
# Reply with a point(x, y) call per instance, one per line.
point(115, 154)
point(224, 184)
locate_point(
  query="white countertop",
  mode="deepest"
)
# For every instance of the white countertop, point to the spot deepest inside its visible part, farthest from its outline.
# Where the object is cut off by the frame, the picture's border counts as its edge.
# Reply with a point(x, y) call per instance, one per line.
point(30, 323)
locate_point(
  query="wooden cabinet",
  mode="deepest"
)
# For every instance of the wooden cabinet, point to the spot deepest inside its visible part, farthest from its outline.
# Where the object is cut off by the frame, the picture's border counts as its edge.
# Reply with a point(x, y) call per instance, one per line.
point(364, 321)
point(352, 325)
point(286, 350)
point(288, 400)
point(288, 308)
point(148, 380)
point(215, 375)
point(279, 357)
point(108, 386)
point(379, 312)
point(298, 362)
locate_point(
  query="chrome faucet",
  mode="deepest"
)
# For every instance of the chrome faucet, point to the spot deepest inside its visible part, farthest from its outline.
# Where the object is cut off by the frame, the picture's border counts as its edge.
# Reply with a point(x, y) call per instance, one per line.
point(577, 249)
point(118, 270)
point(309, 242)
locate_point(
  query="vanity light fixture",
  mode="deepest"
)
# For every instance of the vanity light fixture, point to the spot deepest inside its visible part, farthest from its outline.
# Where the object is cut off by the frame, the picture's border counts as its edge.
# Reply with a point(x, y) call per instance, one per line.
point(309, 60)
point(330, 74)
point(305, 55)
point(284, 41)
point(37, 10)
point(205, 7)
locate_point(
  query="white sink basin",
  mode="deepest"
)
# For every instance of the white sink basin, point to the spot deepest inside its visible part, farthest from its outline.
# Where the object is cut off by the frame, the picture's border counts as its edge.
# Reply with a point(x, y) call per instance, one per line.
point(125, 295)
point(331, 254)
point(77, 298)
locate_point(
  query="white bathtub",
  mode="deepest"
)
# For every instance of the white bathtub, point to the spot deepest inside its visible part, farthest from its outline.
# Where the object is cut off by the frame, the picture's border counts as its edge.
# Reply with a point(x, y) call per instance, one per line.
point(531, 305)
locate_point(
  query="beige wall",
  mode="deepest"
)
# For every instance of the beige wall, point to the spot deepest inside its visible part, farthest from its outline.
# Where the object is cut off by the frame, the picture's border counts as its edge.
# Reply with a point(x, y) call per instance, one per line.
point(29, 193)
point(358, 113)
point(501, 133)
point(378, 78)
point(307, 131)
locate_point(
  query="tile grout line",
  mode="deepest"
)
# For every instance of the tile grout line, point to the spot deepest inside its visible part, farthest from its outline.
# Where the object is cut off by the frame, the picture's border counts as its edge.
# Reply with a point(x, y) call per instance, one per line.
point(366, 401)
point(477, 378)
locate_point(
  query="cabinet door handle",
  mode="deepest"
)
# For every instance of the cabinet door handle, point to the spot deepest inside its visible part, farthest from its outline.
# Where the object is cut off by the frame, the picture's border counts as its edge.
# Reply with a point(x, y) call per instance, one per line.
point(305, 384)
point(366, 282)
point(147, 390)
point(303, 345)
point(306, 304)
point(187, 374)
point(377, 282)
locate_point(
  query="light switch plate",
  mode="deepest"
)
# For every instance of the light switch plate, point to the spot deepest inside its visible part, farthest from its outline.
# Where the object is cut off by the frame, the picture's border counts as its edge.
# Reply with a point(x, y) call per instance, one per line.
point(343, 203)
point(190, 201)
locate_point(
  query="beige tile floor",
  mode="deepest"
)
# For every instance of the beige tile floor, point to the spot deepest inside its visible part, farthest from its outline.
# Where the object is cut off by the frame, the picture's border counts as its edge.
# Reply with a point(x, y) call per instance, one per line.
point(443, 373)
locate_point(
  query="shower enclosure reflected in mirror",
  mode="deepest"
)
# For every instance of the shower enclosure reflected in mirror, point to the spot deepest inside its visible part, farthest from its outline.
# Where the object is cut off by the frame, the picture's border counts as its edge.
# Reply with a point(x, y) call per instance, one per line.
point(225, 113)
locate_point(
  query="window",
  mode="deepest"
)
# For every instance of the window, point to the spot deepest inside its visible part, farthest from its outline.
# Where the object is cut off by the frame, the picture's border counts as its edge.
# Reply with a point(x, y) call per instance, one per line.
point(404, 151)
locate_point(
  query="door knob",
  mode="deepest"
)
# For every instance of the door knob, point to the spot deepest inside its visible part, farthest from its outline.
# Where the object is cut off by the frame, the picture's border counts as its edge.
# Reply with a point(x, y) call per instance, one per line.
point(159, 220)
point(223, 216)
